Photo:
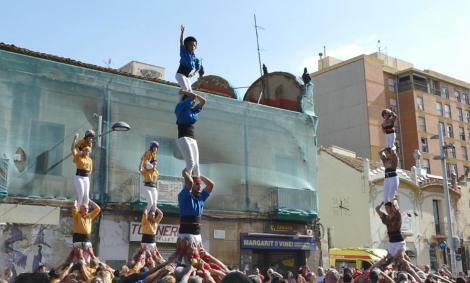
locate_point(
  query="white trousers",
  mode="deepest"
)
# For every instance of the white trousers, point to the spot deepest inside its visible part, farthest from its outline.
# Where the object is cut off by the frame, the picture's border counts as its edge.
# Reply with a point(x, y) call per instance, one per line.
point(148, 246)
point(190, 151)
point(395, 248)
point(184, 82)
point(82, 187)
point(151, 195)
point(390, 143)
point(390, 188)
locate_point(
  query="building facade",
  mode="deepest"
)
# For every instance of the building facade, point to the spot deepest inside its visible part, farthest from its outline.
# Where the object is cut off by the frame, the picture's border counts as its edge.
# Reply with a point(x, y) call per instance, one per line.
point(350, 96)
point(262, 159)
point(348, 208)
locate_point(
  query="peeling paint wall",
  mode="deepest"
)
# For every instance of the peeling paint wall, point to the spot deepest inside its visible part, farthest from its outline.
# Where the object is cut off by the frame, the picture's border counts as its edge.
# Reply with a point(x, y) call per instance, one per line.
point(23, 247)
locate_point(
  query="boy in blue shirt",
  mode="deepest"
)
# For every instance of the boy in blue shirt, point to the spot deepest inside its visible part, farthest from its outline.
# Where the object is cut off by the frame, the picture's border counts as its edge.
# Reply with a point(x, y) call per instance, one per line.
point(186, 116)
point(191, 201)
point(189, 63)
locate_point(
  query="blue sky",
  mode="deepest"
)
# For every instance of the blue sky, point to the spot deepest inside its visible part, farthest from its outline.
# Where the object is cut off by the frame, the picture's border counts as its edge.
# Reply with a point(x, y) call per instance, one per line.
point(430, 34)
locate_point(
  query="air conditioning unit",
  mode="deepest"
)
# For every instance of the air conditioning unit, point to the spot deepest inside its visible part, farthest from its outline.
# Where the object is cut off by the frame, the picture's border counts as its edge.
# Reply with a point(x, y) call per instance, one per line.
point(144, 70)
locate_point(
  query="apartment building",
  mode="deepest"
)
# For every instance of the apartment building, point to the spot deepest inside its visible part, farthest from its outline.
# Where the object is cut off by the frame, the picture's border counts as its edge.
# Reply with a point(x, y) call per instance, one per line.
point(350, 95)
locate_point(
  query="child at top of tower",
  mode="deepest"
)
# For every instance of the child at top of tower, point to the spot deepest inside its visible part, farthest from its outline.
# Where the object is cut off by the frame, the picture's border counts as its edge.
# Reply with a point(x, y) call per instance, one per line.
point(388, 127)
point(189, 63)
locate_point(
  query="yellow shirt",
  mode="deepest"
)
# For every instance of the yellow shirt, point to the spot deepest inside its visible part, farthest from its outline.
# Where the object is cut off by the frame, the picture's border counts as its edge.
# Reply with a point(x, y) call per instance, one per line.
point(82, 225)
point(150, 175)
point(147, 227)
point(82, 162)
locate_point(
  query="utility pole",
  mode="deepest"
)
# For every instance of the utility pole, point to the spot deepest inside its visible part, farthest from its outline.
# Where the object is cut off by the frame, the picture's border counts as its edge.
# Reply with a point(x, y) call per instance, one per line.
point(450, 230)
point(257, 46)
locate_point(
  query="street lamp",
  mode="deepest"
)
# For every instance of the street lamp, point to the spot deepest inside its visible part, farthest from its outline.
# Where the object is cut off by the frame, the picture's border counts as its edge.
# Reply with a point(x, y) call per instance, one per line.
point(442, 157)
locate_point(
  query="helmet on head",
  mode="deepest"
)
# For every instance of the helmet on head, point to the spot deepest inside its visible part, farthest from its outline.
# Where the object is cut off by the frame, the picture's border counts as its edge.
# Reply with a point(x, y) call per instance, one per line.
point(189, 39)
point(154, 144)
point(89, 134)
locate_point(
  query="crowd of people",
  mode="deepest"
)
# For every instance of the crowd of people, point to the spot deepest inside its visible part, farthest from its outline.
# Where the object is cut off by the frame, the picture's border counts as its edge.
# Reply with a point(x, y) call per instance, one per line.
point(166, 272)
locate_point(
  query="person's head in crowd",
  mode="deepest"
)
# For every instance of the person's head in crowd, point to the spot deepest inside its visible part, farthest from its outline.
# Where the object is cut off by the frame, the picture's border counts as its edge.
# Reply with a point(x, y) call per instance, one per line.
point(347, 275)
point(332, 276)
point(53, 274)
point(167, 279)
point(255, 278)
point(402, 277)
point(282, 280)
point(144, 269)
point(256, 271)
point(97, 279)
point(235, 277)
point(374, 275)
point(195, 279)
point(320, 271)
point(460, 280)
point(180, 271)
point(304, 269)
point(427, 268)
point(289, 274)
point(311, 277)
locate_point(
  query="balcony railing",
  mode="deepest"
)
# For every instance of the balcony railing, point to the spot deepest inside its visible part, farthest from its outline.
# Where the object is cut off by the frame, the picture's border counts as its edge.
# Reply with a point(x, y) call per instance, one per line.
point(440, 228)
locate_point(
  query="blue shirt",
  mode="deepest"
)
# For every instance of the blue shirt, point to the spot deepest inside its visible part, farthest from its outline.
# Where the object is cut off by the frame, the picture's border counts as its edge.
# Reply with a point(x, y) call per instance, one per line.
point(190, 206)
point(186, 113)
point(189, 59)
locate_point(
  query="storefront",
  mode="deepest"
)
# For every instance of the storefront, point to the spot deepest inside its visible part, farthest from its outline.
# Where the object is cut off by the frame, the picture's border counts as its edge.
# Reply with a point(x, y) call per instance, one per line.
point(283, 252)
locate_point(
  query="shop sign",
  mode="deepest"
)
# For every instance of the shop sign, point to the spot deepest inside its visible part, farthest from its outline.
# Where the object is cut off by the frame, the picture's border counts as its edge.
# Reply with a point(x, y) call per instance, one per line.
point(279, 227)
point(166, 233)
point(271, 243)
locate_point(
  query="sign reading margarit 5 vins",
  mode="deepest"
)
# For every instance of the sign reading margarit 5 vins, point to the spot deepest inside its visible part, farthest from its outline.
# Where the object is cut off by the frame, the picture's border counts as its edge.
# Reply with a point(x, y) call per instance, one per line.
point(270, 243)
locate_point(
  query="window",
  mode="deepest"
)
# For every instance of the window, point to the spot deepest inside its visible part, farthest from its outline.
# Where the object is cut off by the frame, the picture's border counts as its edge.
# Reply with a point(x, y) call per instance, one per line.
point(450, 131)
point(441, 126)
point(420, 103)
point(452, 168)
point(457, 96)
point(391, 84)
point(445, 91)
point(439, 109)
point(468, 131)
point(467, 116)
point(437, 220)
point(462, 133)
point(422, 124)
point(424, 145)
point(447, 113)
point(393, 103)
point(451, 152)
point(426, 165)
point(459, 114)
point(466, 170)
point(463, 149)
point(47, 148)
point(465, 98)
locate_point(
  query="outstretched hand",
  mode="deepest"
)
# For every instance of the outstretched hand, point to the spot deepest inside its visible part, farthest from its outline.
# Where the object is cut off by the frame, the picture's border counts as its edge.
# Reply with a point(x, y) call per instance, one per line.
point(182, 28)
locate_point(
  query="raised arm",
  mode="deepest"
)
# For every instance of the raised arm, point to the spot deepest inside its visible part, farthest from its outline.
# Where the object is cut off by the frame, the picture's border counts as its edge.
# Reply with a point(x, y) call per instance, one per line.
point(73, 149)
point(188, 180)
point(202, 100)
point(209, 184)
point(377, 209)
point(159, 215)
point(96, 209)
point(382, 155)
point(182, 36)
